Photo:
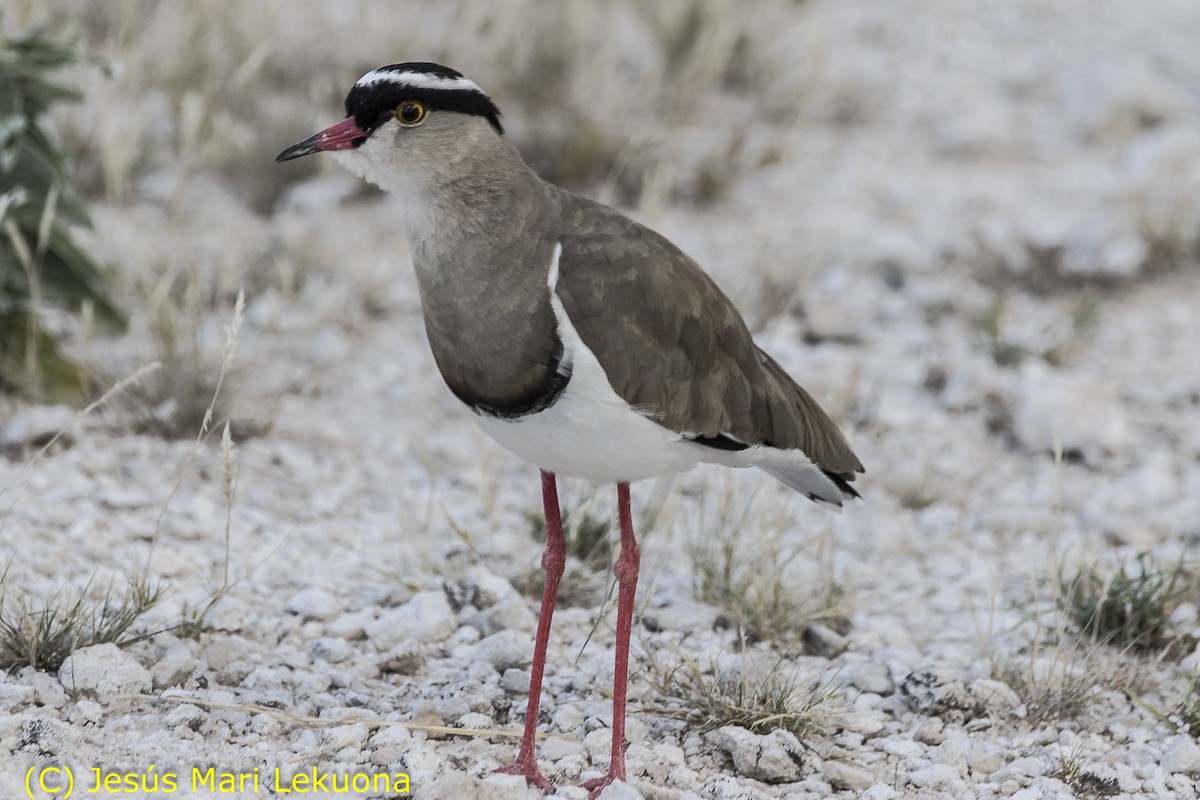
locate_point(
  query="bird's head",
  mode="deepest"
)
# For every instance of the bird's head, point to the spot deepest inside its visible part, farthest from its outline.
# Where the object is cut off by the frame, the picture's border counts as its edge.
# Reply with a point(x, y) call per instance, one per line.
point(408, 123)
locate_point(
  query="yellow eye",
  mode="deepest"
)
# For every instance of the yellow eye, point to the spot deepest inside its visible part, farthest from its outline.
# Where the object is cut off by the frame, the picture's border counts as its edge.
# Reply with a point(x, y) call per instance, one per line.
point(410, 112)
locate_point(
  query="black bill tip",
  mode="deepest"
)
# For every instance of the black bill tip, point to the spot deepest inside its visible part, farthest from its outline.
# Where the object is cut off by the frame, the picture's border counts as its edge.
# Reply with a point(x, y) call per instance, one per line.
point(299, 149)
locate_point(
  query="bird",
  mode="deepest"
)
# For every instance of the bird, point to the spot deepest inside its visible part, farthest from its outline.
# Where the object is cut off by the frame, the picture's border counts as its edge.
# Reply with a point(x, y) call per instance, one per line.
point(580, 340)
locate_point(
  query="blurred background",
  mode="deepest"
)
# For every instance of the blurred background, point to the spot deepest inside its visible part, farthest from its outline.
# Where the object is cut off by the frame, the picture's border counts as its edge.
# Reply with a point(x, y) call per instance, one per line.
point(1025, 146)
point(971, 229)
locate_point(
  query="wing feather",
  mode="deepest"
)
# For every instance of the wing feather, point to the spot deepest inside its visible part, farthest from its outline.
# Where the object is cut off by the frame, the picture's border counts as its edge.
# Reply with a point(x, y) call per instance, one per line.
point(673, 345)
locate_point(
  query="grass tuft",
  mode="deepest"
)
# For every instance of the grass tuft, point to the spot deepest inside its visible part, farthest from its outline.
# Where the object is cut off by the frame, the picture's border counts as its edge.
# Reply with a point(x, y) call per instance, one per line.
point(1127, 609)
point(754, 573)
point(1072, 770)
point(760, 703)
point(43, 635)
point(1061, 681)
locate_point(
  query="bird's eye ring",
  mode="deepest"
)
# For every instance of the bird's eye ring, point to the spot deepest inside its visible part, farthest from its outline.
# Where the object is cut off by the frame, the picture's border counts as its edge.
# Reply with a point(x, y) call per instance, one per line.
point(410, 112)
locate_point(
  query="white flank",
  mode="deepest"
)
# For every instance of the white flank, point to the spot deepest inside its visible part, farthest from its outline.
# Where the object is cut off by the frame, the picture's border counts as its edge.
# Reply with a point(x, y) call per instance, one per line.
point(418, 80)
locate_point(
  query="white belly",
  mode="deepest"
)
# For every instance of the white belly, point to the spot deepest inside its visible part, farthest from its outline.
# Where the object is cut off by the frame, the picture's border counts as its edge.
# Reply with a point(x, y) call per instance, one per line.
point(590, 432)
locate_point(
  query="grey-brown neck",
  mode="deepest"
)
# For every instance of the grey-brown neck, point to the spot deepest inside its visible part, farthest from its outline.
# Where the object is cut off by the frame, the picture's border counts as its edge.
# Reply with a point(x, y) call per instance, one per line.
point(483, 236)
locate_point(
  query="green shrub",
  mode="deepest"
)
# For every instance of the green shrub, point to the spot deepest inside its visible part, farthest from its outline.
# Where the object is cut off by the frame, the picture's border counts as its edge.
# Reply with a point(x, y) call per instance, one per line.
point(39, 261)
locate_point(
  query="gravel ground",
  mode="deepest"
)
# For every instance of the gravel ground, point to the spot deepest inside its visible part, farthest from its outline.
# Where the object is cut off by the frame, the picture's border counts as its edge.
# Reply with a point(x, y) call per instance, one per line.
point(970, 229)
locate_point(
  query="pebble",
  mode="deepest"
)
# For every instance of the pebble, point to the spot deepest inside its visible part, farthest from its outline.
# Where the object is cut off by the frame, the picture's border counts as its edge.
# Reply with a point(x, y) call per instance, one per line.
point(556, 748)
point(351, 625)
point(220, 651)
point(48, 691)
point(507, 649)
point(41, 735)
point(87, 710)
point(460, 786)
point(941, 243)
point(186, 714)
point(515, 681)
point(774, 758)
point(313, 602)
point(331, 650)
point(105, 671)
point(847, 776)
point(880, 791)
point(619, 790)
point(427, 617)
point(1181, 754)
point(14, 695)
point(684, 615)
point(871, 677)
point(406, 658)
point(174, 667)
point(935, 776)
point(939, 692)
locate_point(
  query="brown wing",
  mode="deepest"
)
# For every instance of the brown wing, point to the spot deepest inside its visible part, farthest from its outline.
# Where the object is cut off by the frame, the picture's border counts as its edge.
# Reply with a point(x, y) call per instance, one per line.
point(673, 345)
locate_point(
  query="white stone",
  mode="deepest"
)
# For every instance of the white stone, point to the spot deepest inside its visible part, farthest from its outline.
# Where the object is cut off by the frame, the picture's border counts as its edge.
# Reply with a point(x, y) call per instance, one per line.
point(507, 649)
point(406, 658)
point(683, 615)
point(1181, 754)
point(87, 710)
point(49, 691)
point(870, 676)
point(555, 748)
point(619, 790)
point(935, 776)
point(510, 612)
point(174, 667)
point(773, 758)
point(997, 696)
point(880, 791)
point(186, 714)
point(220, 651)
point(515, 681)
point(104, 670)
point(427, 617)
point(847, 776)
point(124, 498)
point(13, 695)
point(332, 650)
point(313, 602)
point(350, 625)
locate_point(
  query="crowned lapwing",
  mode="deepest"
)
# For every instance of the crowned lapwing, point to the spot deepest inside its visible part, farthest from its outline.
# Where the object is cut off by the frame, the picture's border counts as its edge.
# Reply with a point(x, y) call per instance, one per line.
point(583, 342)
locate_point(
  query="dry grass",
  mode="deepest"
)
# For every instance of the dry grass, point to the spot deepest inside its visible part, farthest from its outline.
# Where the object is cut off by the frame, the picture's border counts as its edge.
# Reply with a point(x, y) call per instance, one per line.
point(748, 560)
point(1072, 769)
point(760, 701)
point(621, 81)
point(1058, 683)
point(41, 634)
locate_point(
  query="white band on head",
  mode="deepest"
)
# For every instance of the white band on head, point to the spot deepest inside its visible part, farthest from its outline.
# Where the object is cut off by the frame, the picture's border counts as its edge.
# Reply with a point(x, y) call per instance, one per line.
point(418, 80)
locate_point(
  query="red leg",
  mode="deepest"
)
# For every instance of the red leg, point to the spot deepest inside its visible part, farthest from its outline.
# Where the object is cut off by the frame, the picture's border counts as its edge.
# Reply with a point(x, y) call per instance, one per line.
point(626, 570)
point(554, 559)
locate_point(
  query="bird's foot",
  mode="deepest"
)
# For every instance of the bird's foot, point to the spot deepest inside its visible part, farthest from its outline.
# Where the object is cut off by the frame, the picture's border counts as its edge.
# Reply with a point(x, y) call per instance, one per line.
point(597, 785)
point(528, 767)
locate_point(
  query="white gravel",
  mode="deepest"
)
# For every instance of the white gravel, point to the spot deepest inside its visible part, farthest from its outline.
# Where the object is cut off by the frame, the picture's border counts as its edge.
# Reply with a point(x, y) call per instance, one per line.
point(970, 229)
